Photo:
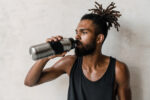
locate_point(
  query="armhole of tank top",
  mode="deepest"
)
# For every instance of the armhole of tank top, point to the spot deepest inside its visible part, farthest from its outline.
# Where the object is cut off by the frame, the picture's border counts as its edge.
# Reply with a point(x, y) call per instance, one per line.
point(114, 67)
point(73, 67)
point(114, 80)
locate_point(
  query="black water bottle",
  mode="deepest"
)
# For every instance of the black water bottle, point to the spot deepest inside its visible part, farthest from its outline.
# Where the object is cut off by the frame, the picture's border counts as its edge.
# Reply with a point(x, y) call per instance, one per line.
point(43, 50)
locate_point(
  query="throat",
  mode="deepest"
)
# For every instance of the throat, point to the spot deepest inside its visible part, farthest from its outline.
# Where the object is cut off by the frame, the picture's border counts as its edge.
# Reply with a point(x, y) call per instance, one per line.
point(94, 73)
point(94, 62)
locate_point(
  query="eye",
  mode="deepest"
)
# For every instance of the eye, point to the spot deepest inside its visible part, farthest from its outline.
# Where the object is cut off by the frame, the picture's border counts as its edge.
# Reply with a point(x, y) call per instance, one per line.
point(84, 32)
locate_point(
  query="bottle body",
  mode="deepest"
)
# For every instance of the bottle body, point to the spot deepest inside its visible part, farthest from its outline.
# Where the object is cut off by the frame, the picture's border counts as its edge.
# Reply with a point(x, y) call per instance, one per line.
point(51, 48)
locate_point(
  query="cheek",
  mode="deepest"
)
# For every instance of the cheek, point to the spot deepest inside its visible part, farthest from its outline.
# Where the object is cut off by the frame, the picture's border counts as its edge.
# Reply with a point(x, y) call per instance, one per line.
point(86, 39)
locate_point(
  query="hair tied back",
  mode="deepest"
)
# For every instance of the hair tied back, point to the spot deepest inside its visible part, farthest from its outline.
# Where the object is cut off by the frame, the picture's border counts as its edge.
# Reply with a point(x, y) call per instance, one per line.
point(109, 14)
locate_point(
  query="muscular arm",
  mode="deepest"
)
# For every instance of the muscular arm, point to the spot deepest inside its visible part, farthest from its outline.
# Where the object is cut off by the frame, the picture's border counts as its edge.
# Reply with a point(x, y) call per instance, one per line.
point(37, 75)
point(123, 81)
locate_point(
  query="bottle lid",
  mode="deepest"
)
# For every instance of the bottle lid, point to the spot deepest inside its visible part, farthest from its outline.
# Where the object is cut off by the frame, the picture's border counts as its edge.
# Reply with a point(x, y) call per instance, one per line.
point(73, 43)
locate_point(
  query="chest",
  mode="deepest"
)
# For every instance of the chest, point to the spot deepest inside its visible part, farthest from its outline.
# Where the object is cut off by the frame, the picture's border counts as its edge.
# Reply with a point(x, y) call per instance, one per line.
point(94, 74)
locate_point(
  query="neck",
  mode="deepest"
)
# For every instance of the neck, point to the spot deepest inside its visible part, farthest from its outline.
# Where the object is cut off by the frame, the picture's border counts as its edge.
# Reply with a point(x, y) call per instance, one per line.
point(93, 60)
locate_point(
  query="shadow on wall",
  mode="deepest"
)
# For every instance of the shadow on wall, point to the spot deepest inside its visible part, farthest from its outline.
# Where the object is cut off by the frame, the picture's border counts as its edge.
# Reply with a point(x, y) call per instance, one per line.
point(128, 51)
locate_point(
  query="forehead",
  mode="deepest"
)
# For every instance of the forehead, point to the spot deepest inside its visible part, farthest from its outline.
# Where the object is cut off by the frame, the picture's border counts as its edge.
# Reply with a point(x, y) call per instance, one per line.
point(85, 24)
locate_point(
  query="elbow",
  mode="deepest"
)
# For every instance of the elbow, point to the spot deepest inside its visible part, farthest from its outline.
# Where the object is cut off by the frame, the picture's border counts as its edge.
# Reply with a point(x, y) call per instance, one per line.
point(28, 83)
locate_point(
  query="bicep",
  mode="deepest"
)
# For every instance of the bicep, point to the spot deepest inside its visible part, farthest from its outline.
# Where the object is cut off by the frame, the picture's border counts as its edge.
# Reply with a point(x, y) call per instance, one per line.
point(59, 68)
point(50, 74)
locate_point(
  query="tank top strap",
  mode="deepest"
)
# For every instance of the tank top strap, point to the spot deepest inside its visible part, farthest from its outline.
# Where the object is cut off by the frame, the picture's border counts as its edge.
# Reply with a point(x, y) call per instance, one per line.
point(109, 75)
point(76, 65)
point(75, 88)
point(73, 67)
point(113, 64)
point(111, 70)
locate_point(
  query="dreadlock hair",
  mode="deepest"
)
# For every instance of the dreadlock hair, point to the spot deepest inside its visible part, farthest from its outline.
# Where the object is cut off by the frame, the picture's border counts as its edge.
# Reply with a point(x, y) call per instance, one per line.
point(103, 19)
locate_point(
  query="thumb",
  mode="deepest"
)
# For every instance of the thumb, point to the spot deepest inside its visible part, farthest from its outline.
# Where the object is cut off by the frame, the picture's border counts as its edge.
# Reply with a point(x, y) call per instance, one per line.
point(64, 53)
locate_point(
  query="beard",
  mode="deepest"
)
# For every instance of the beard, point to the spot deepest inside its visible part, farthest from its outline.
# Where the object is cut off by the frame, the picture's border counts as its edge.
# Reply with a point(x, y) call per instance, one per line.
point(87, 49)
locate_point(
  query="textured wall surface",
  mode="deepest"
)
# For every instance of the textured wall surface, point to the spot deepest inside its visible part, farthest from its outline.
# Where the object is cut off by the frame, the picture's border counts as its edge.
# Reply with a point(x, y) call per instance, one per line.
point(27, 22)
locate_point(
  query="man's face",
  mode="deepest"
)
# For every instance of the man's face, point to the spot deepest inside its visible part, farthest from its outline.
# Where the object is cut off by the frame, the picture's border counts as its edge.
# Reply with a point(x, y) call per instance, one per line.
point(86, 39)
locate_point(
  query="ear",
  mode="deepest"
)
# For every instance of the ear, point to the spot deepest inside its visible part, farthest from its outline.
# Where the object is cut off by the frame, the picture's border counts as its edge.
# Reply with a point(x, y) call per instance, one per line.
point(100, 38)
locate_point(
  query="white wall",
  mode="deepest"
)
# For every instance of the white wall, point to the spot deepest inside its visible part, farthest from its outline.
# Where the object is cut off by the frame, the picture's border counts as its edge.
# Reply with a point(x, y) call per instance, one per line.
point(27, 22)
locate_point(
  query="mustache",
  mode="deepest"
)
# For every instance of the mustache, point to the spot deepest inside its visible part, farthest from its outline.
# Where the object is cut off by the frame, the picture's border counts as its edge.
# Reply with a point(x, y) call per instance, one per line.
point(77, 42)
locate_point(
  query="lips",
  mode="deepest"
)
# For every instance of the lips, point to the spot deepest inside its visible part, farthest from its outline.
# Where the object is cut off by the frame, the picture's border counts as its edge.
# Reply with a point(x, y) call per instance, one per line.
point(78, 43)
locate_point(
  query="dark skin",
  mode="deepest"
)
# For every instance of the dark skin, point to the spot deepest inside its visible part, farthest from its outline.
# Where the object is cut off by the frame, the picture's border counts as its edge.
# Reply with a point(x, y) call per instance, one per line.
point(94, 65)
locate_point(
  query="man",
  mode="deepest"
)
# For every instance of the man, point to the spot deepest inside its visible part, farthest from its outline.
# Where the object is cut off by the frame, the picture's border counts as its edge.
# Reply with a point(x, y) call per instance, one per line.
point(92, 75)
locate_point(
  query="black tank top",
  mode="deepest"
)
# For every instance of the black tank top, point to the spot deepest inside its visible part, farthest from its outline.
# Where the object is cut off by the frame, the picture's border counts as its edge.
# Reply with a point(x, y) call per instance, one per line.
point(81, 88)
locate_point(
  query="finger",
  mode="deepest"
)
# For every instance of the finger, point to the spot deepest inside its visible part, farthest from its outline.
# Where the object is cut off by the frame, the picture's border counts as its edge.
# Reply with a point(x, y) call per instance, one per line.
point(59, 37)
point(54, 38)
point(51, 39)
point(48, 40)
point(64, 53)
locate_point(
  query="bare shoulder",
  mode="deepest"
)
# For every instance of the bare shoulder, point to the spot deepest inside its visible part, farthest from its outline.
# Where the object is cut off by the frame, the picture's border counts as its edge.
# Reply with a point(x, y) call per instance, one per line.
point(121, 66)
point(68, 62)
point(122, 72)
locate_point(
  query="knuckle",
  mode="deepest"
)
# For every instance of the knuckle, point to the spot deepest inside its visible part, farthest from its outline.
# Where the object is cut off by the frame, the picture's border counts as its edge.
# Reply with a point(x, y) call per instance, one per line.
point(48, 39)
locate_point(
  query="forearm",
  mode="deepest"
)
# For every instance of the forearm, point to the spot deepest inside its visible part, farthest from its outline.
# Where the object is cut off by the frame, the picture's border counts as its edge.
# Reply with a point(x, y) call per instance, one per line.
point(35, 72)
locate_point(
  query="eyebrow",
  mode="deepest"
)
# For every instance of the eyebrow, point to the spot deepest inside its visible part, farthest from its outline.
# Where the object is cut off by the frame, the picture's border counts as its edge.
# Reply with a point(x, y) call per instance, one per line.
point(81, 30)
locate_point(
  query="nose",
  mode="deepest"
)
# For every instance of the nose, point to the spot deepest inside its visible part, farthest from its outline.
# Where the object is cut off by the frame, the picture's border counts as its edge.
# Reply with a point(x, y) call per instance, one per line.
point(78, 37)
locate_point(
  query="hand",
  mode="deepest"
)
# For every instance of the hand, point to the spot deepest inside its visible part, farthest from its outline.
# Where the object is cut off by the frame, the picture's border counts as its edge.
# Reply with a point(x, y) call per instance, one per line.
point(55, 39)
